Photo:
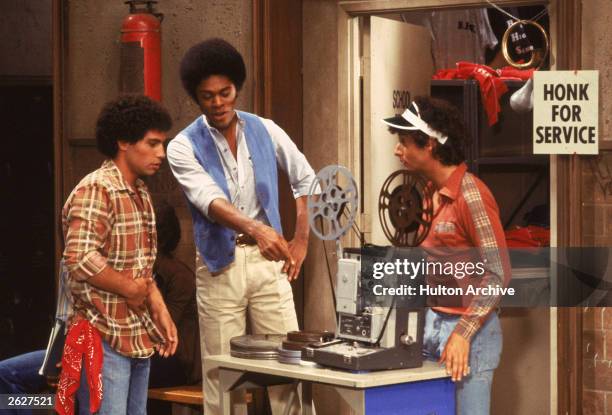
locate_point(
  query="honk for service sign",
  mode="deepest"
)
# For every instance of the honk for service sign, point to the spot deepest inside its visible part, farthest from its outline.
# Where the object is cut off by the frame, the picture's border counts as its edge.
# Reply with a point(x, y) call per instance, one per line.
point(565, 112)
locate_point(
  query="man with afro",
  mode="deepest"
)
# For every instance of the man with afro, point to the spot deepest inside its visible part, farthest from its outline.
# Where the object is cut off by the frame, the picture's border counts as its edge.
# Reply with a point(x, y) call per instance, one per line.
point(226, 162)
point(120, 317)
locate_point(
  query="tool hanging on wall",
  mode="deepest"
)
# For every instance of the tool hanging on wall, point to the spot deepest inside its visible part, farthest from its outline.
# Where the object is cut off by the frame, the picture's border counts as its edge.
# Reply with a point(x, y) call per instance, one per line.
point(522, 100)
point(405, 208)
point(140, 61)
point(536, 60)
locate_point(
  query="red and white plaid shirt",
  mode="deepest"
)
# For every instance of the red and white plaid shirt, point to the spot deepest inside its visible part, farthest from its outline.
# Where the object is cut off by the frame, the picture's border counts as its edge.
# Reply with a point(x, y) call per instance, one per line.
point(468, 217)
point(106, 224)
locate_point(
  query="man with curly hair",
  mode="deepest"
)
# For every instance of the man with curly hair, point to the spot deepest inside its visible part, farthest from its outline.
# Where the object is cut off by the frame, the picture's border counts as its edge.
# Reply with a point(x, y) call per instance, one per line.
point(110, 247)
point(463, 333)
point(226, 163)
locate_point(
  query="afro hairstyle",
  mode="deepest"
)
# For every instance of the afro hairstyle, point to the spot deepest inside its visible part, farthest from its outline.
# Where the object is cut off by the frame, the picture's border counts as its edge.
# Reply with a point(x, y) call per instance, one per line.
point(211, 57)
point(128, 119)
point(442, 116)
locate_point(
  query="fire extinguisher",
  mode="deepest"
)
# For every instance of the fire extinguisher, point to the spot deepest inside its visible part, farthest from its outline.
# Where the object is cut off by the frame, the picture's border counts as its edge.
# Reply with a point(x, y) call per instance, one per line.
point(140, 63)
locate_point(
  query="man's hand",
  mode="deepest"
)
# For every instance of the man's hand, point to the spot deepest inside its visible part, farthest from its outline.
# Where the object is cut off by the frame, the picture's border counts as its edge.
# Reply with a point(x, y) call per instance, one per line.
point(297, 248)
point(272, 246)
point(138, 292)
point(164, 322)
point(456, 355)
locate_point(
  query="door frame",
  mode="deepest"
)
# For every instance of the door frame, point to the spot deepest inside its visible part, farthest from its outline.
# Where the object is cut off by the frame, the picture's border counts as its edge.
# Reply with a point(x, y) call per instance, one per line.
point(58, 29)
point(277, 92)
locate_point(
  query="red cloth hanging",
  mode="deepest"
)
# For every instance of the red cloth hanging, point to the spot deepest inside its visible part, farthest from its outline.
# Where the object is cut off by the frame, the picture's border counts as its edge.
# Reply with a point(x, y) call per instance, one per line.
point(83, 344)
point(492, 85)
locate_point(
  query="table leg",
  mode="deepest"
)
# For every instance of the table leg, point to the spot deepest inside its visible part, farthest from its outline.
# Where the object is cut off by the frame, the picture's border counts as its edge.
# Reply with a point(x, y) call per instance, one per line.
point(355, 398)
point(227, 379)
point(307, 407)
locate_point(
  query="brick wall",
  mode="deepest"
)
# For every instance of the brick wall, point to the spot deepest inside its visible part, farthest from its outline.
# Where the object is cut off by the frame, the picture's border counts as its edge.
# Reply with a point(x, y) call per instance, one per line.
point(597, 363)
point(597, 321)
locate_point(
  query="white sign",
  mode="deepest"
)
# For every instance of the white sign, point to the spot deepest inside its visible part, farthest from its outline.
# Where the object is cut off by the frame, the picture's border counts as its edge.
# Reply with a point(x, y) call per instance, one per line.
point(565, 112)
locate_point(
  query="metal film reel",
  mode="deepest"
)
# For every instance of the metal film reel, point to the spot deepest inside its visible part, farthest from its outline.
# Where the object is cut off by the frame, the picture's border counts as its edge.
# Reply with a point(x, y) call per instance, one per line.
point(405, 208)
point(338, 196)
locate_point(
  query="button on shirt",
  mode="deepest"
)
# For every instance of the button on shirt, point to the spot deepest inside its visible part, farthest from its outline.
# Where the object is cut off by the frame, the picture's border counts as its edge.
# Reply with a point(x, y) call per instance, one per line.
point(200, 187)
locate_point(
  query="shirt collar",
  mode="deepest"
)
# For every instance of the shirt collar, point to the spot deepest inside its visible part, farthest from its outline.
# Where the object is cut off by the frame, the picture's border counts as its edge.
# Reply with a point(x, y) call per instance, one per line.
point(118, 179)
point(453, 183)
point(240, 121)
point(216, 134)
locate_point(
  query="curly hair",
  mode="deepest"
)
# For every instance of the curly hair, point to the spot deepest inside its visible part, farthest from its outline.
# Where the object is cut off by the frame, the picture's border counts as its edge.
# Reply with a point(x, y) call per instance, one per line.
point(128, 118)
point(211, 57)
point(442, 116)
point(168, 228)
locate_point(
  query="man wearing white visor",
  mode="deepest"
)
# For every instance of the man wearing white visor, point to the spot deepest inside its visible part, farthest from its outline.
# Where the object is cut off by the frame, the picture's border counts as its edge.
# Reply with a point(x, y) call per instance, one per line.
point(463, 333)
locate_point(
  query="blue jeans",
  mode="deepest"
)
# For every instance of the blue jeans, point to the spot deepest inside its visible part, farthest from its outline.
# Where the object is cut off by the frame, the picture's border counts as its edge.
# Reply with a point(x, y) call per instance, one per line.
point(125, 382)
point(474, 391)
point(19, 375)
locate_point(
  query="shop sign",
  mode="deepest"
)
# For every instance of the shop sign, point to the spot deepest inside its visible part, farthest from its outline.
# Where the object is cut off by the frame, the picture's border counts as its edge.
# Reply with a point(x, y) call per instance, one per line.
point(565, 112)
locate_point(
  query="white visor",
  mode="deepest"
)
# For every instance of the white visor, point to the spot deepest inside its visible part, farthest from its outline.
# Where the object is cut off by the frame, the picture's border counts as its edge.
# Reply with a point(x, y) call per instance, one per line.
point(411, 121)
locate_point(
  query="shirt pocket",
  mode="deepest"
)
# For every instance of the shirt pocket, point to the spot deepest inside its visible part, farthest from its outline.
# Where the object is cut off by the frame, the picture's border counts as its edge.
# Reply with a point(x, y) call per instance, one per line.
point(446, 233)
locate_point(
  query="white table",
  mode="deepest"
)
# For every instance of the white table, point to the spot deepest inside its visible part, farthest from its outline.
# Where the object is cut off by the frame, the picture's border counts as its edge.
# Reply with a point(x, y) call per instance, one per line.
point(372, 392)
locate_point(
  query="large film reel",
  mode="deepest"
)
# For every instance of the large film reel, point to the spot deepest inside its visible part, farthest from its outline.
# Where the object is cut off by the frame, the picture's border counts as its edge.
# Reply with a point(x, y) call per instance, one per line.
point(405, 208)
point(336, 206)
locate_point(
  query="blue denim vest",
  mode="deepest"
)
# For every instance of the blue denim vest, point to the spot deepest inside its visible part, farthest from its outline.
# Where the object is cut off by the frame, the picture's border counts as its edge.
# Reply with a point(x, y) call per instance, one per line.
point(216, 243)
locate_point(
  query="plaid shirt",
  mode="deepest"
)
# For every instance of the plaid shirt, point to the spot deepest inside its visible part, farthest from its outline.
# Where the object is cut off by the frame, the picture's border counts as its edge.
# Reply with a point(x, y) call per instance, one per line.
point(105, 225)
point(468, 217)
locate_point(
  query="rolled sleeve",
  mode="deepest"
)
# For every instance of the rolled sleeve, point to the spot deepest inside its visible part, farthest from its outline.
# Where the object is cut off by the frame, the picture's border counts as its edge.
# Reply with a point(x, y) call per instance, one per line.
point(199, 187)
point(292, 161)
point(88, 223)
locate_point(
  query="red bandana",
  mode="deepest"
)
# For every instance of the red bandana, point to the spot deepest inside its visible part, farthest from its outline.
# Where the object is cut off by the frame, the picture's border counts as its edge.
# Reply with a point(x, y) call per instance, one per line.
point(83, 343)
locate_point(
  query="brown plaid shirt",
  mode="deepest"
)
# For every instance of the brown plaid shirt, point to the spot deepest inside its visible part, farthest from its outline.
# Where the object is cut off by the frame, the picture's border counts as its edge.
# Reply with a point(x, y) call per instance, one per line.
point(105, 225)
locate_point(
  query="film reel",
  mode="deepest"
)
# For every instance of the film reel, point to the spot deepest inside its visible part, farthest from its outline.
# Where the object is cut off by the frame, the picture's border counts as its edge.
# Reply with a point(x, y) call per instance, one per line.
point(336, 206)
point(405, 208)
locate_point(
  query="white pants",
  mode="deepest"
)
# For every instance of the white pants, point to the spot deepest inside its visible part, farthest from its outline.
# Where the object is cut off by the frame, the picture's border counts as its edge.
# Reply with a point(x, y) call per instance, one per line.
point(251, 283)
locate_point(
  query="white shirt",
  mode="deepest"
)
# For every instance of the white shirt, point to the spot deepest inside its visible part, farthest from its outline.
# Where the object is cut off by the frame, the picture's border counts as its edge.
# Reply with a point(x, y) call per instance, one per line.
point(458, 35)
point(201, 188)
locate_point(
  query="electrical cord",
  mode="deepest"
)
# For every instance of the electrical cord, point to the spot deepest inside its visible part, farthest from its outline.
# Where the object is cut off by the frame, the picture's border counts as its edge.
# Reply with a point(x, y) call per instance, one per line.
point(516, 19)
point(329, 273)
point(382, 331)
point(355, 229)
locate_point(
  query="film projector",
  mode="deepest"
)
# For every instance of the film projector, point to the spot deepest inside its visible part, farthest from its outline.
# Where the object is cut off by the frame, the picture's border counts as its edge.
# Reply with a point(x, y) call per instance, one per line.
point(372, 333)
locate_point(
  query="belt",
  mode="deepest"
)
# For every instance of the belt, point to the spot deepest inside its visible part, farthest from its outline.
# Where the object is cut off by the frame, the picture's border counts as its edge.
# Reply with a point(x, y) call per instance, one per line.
point(446, 315)
point(243, 239)
point(450, 316)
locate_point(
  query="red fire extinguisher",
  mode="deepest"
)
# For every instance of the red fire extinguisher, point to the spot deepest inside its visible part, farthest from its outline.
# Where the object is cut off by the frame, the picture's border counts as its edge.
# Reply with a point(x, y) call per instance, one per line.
point(140, 64)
